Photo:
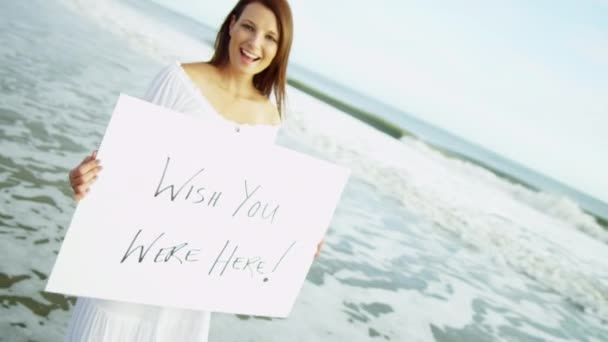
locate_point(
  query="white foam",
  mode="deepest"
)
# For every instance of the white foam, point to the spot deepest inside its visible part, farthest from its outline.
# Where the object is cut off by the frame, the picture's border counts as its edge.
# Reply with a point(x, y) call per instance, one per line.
point(558, 206)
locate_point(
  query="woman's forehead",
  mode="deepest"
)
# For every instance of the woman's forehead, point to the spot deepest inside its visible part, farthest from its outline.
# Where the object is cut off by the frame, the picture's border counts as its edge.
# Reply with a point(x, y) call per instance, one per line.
point(261, 16)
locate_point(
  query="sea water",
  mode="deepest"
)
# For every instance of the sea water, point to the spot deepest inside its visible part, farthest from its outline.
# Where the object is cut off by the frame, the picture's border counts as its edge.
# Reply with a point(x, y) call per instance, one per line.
point(422, 247)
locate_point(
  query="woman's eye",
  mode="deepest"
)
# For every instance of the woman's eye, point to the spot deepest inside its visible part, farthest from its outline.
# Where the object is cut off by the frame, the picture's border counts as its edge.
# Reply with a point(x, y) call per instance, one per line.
point(248, 27)
point(271, 38)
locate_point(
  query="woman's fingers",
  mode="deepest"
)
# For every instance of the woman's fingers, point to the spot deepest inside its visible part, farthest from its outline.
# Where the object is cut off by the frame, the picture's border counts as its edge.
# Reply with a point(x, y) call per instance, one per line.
point(88, 158)
point(84, 187)
point(82, 176)
point(81, 190)
point(86, 163)
point(85, 177)
point(84, 168)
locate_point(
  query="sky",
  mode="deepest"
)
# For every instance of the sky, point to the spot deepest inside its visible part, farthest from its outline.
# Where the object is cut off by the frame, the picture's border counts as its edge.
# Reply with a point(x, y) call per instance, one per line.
point(525, 79)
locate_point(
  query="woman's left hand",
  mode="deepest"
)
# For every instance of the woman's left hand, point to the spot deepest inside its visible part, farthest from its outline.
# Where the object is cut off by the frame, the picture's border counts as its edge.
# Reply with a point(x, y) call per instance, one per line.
point(319, 246)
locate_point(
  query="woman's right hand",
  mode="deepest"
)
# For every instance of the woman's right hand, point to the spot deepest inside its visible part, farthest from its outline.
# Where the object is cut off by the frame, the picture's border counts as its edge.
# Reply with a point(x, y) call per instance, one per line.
point(83, 175)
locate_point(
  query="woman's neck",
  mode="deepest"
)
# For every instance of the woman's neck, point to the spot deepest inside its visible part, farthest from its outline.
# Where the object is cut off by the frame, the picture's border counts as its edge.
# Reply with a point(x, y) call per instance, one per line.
point(236, 84)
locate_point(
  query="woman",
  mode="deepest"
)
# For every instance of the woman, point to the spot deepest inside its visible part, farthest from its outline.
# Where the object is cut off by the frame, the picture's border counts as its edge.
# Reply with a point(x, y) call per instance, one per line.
point(232, 90)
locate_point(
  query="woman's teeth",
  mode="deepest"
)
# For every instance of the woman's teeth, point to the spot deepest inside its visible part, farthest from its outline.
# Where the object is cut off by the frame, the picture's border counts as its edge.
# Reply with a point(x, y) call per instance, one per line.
point(249, 55)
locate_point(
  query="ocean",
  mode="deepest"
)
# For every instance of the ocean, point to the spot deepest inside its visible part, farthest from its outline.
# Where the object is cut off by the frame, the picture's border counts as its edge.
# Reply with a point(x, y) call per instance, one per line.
point(424, 246)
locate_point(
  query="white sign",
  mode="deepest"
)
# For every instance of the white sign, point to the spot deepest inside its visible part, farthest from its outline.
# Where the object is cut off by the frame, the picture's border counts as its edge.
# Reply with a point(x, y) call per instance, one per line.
point(185, 216)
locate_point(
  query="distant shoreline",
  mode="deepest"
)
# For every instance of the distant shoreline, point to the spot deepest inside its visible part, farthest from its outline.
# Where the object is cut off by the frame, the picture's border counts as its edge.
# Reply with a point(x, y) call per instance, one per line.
point(395, 131)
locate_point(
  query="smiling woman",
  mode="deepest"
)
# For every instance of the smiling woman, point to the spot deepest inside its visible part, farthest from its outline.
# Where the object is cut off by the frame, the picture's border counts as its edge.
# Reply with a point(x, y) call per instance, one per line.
point(259, 36)
point(232, 91)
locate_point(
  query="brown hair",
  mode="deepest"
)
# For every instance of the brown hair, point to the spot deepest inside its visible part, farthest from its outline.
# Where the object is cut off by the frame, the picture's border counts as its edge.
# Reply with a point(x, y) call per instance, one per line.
point(274, 77)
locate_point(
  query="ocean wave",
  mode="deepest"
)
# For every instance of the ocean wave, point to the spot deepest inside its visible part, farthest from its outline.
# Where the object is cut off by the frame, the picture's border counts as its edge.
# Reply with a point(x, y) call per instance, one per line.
point(558, 206)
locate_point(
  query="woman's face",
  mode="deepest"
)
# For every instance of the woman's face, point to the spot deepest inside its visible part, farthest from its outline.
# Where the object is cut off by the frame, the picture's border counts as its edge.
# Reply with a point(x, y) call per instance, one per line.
point(254, 39)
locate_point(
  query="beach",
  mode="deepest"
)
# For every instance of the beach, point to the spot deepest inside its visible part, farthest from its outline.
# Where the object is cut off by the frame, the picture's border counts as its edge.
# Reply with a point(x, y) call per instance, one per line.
point(422, 247)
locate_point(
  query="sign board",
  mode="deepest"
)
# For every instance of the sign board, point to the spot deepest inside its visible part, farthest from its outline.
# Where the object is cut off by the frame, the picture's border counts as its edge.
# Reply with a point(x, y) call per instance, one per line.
point(186, 215)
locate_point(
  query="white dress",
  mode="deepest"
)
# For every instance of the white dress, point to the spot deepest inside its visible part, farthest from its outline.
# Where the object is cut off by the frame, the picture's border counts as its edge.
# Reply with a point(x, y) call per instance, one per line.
point(97, 320)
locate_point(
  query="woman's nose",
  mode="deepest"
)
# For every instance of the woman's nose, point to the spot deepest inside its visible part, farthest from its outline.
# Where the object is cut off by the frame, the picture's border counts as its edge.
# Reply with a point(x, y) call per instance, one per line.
point(256, 39)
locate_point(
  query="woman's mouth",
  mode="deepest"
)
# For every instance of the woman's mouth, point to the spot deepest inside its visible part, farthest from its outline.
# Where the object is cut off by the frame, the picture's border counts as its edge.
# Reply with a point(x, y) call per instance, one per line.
point(248, 57)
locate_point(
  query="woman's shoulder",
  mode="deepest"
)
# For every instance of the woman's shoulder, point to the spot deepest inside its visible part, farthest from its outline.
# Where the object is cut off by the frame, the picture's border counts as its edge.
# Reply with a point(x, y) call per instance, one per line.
point(167, 86)
point(200, 72)
point(197, 66)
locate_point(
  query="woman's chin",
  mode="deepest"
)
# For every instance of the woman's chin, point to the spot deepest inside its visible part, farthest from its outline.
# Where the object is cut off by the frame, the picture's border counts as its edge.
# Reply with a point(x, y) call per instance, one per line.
point(247, 68)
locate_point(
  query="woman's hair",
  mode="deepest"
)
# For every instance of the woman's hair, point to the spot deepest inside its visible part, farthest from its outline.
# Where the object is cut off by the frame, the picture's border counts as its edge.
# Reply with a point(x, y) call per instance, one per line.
point(274, 77)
